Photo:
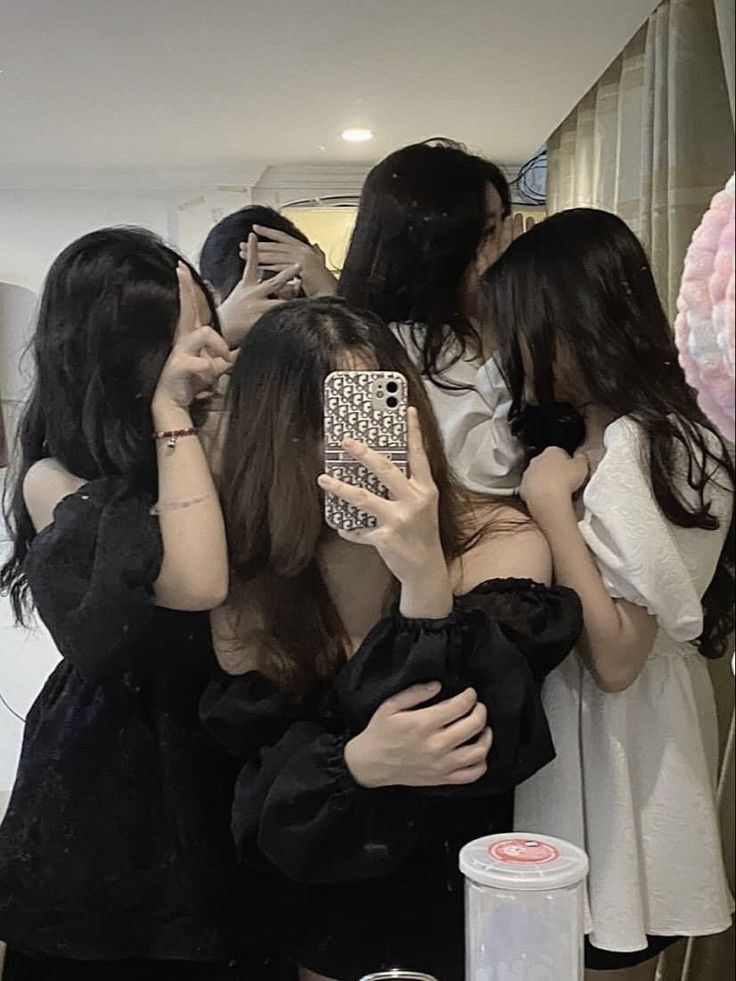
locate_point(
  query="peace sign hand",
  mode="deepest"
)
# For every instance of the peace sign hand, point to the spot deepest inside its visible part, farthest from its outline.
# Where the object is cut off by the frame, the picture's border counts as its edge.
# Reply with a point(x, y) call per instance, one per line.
point(407, 533)
point(198, 357)
point(250, 299)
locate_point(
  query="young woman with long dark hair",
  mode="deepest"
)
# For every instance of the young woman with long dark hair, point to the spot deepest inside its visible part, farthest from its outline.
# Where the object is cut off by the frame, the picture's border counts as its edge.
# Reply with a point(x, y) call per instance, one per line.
point(380, 688)
point(115, 854)
point(639, 521)
point(432, 217)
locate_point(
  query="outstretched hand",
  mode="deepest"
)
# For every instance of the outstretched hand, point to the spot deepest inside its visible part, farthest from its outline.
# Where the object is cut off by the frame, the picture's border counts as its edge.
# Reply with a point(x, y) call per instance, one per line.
point(279, 251)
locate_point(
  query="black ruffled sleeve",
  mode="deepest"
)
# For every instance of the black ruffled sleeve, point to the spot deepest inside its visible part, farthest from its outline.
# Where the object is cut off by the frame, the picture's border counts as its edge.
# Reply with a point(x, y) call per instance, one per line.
point(543, 622)
point(296, 803)
point(501, 639)
point(91, 574)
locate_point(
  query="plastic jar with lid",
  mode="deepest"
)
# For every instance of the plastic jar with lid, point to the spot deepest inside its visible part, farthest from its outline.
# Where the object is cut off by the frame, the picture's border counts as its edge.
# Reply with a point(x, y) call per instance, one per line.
point(524, 908)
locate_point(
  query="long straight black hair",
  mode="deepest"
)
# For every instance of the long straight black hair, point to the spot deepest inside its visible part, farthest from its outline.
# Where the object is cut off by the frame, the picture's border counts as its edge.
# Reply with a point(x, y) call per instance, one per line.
point(105, 325)
point(422, 218)
point(576, 295)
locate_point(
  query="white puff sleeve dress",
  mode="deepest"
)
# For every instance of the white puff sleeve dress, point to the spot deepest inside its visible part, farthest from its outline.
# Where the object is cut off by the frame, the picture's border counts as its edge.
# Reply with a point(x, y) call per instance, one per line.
point(634, 778)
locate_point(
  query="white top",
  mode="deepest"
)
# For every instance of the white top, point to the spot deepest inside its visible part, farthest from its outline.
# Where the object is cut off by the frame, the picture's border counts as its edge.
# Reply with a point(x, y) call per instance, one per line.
point(523, 864)
point(635, 775)
point(473, 420)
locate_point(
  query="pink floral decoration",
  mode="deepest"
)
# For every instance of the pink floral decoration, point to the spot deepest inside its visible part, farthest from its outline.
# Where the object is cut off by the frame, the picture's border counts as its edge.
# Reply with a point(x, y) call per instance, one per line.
point(704, 327)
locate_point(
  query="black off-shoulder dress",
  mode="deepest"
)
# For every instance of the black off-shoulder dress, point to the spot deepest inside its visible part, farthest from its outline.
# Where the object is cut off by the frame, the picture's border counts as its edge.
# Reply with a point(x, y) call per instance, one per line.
point(116, 843)
point(375, 871)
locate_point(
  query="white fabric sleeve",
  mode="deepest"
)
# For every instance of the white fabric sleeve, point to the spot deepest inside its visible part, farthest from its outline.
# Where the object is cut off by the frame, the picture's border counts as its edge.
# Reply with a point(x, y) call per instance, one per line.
point(490, 458)
point(643, 557)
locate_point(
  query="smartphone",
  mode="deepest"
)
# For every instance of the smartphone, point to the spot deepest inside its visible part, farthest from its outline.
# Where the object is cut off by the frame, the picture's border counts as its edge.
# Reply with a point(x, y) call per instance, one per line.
point(369, 406)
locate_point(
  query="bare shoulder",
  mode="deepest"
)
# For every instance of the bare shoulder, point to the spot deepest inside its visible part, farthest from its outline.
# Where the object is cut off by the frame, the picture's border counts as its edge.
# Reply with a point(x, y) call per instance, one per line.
point(46, 483)
point(509, 545)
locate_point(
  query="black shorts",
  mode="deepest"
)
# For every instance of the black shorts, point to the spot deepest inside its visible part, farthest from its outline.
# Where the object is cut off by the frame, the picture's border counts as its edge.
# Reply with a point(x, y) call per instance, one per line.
point(609, 960)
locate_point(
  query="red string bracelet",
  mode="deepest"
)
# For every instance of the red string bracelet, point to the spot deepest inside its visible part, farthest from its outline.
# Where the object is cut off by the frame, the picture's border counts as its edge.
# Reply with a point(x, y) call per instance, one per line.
point(171, 435)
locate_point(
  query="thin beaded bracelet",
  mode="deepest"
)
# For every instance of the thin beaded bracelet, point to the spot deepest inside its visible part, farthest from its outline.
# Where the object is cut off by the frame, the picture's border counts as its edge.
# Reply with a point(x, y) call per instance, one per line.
point(162, 506)
point(171, 435)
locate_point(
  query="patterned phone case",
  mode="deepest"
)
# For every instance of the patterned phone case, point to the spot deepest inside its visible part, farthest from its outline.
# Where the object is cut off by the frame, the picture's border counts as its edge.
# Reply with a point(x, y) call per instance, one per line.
point(358, 404)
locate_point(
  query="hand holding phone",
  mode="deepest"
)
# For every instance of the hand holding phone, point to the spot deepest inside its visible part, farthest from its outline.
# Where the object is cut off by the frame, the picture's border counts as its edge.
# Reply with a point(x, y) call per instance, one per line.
point(369, 406)
point(404, 519)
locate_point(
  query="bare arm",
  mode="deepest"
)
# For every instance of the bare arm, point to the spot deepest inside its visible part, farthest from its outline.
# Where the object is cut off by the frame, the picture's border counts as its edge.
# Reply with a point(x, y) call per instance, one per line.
point(618, 636)
point(194, 571)
point(45, 484)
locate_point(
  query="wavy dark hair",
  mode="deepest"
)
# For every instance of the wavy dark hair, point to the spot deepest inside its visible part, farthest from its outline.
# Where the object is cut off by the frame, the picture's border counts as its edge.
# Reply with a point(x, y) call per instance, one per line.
point(220, 261)
point(422, 218)
point(272, 504)
point(104, 329)
point(577, 292)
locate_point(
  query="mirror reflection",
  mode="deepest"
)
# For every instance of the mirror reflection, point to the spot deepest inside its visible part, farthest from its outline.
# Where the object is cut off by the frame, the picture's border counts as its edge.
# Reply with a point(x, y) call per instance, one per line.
point(367, 571)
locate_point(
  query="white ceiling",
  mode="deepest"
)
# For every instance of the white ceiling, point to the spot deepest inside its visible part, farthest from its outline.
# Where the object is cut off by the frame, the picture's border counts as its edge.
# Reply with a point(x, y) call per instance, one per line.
point(178, 91)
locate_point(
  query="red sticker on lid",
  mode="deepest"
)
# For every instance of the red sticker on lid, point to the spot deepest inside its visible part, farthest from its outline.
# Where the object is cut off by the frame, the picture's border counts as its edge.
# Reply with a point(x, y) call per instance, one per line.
point(523, 851)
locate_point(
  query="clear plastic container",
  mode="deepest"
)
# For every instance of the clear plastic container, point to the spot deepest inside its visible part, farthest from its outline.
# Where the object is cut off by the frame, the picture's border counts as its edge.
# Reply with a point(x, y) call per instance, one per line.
point(398, 974)
point(524, 908)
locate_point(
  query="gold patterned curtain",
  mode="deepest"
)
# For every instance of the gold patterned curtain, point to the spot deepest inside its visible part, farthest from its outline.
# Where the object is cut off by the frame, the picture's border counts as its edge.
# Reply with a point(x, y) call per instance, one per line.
point(3, 441)
point(653, 141)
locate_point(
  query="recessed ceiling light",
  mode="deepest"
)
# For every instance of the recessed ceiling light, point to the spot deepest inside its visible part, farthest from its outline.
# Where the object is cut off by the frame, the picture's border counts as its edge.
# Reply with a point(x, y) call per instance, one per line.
point(357, 135)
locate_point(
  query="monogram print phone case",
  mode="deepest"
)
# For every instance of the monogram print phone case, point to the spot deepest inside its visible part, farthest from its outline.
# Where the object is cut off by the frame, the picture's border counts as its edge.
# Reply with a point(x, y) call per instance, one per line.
point(369, 406)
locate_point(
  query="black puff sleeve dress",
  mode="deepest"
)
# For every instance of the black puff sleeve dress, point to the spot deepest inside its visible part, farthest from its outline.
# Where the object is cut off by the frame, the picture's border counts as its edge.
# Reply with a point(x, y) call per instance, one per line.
point(375, 870)
point(116, 843)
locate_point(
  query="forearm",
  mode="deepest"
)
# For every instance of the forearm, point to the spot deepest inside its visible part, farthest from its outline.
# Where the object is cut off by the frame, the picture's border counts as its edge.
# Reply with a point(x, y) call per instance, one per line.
point(428, 596)
point(607, 644)
point(321, 283)
point(194, 571)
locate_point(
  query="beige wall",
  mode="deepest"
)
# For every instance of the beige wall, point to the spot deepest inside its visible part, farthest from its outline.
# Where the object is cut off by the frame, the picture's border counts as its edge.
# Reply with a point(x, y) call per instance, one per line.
point(331, 228)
